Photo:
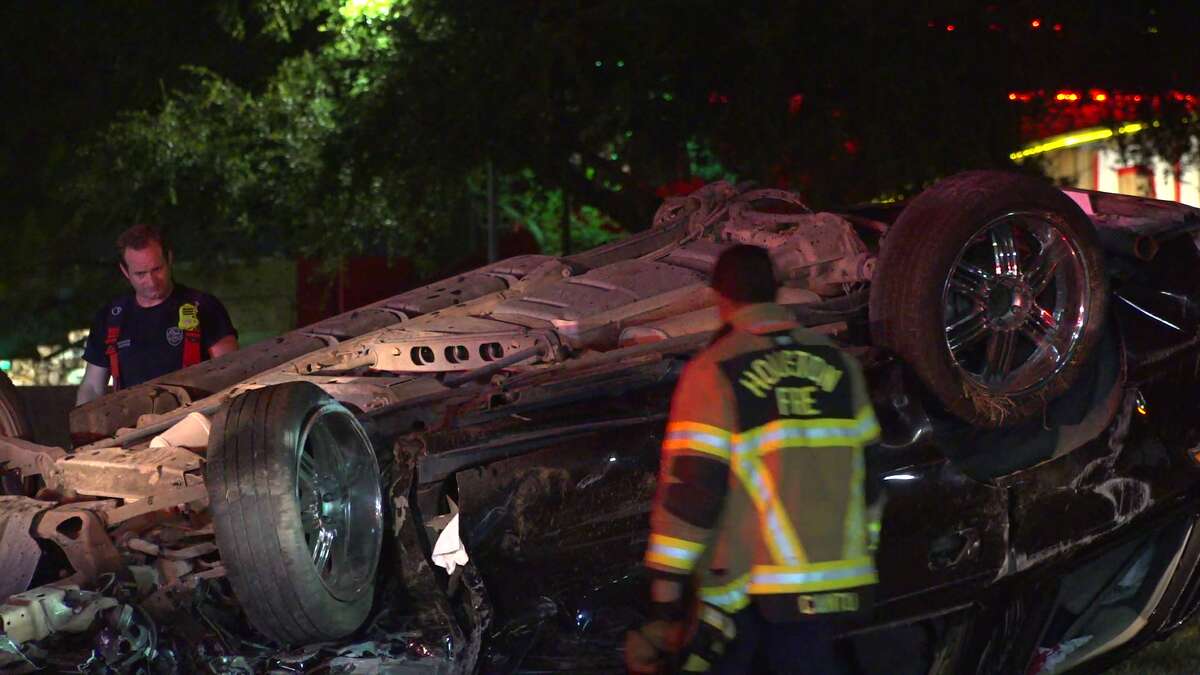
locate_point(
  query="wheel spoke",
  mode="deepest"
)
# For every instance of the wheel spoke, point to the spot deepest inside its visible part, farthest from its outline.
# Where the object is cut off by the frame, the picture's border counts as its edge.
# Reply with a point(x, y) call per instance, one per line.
point(322, 548)
point(345, 525)
point(328, 453)
point(972, 272)
point(1001, 347)
point(1004, 251)
point(309, 520)
point(1041, 269)
point(968, 287)
point(1042, 328)
point(307, 470)
point(966, 331)
point(353, 470)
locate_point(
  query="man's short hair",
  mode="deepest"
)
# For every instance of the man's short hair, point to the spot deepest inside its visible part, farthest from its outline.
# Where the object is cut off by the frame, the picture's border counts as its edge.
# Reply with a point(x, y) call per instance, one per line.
point(744, 274)
point(139, 237)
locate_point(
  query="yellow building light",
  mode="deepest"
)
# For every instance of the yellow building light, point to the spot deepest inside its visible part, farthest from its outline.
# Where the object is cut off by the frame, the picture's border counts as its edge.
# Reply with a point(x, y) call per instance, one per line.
point(1075, 138)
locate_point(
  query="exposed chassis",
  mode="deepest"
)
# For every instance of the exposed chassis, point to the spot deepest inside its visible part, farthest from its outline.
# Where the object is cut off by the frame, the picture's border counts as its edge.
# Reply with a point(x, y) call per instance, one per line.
point(415, 369)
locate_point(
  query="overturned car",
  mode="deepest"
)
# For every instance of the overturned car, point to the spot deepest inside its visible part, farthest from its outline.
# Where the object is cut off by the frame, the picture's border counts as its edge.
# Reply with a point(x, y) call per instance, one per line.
point(460, 475)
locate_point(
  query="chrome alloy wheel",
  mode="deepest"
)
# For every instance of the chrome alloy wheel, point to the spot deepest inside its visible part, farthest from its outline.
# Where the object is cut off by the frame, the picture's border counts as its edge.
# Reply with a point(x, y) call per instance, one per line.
point(1015, 303)
point(341, 505)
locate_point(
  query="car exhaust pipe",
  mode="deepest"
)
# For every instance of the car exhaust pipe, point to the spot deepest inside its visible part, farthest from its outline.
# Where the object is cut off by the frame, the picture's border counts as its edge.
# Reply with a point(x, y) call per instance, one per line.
point(1127, 244)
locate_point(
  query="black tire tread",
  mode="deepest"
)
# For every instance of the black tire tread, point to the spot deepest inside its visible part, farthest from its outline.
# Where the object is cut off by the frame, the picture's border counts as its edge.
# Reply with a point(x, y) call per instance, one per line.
point(248, 476)
point(913, 261)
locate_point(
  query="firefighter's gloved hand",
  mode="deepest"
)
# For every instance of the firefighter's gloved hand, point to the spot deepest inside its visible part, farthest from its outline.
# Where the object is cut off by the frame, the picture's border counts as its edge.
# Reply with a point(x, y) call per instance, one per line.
point(647, 648)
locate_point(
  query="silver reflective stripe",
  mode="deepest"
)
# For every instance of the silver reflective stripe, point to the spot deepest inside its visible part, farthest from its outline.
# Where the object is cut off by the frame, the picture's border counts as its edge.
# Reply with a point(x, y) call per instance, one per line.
point(798, 578)
point(674, 552)
point(709, 439)
point(769, 508)
point(756, 479)
point(854, 433)
point(785, 548)
point(728, 600)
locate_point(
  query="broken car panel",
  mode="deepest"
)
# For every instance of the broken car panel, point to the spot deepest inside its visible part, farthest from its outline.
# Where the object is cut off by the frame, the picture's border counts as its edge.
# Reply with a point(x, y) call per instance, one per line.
point(1038, 451)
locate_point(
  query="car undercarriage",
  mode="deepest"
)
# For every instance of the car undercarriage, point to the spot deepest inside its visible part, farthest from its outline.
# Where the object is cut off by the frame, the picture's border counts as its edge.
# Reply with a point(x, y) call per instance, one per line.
point(457, 478)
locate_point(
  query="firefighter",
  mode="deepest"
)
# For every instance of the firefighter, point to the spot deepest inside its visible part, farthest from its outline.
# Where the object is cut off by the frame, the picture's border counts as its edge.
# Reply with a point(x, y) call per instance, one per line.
point(159, 328)
point(760, 507)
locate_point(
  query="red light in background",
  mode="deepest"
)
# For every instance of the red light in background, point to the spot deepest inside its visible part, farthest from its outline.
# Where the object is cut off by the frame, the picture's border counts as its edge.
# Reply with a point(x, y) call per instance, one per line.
point(795, 103)
point(949, 28)
point(1036, 23)
point(851, 147)
point(1058, 27)
point(1069, 110)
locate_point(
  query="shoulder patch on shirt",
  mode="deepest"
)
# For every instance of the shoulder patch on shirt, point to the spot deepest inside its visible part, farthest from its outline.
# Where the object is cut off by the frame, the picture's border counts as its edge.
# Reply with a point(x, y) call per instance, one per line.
point(117, 309)
point(174, 336)
point(189, 316)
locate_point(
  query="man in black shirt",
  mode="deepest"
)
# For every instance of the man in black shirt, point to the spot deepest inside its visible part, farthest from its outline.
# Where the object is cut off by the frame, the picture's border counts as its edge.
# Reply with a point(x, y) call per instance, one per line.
point(159, 328)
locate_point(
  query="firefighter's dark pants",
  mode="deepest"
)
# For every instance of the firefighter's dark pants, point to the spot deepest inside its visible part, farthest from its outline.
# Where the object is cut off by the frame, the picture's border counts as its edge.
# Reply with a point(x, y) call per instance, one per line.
point(801, 648)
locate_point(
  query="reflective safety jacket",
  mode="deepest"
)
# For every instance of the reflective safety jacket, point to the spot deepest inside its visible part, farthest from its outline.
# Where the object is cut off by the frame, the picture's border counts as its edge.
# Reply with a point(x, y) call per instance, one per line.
point(761, 487)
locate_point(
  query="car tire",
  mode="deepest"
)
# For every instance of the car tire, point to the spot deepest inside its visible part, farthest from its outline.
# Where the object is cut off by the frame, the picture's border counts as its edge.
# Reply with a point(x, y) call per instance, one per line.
point(980, 271)
point(296, 502)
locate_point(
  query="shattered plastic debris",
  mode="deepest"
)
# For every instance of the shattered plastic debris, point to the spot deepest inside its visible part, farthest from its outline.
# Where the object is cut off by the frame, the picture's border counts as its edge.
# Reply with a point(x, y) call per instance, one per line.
point(21, 663)
point(448, 552)
point(1047, 659)
point(231, 665)
point(129, 637)
point(190, 432)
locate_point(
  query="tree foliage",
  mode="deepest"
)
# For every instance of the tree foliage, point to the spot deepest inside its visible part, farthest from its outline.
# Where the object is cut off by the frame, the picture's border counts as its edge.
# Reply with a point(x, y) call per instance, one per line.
point(330, 128)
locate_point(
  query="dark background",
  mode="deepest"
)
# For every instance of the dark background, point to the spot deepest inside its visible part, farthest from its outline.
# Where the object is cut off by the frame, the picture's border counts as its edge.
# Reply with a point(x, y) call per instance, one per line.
point(328, 132)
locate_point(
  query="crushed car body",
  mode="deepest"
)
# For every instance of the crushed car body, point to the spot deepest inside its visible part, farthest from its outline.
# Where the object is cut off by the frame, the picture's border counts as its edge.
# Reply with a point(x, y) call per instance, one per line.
point(459, 477)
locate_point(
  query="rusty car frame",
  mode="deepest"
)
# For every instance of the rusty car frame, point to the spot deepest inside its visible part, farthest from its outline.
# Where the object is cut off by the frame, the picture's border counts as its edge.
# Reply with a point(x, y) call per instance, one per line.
point(470, 463)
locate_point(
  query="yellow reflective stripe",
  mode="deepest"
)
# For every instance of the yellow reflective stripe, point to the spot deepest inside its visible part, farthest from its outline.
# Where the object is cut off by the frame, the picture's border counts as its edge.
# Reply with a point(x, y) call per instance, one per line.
point(777, 522)
point(824, 576)
point(823, 566)
point(702, 438)
point(699, 428)
point(854, 542)
point(675, 542)
point(762, 588)
point(730, 597)
point(696, 445)
point(776, 527)
point(674, 553)
point(719, 620)
point(811, 433)
point(864, 417)
point(866, 420)
point(696, 664)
